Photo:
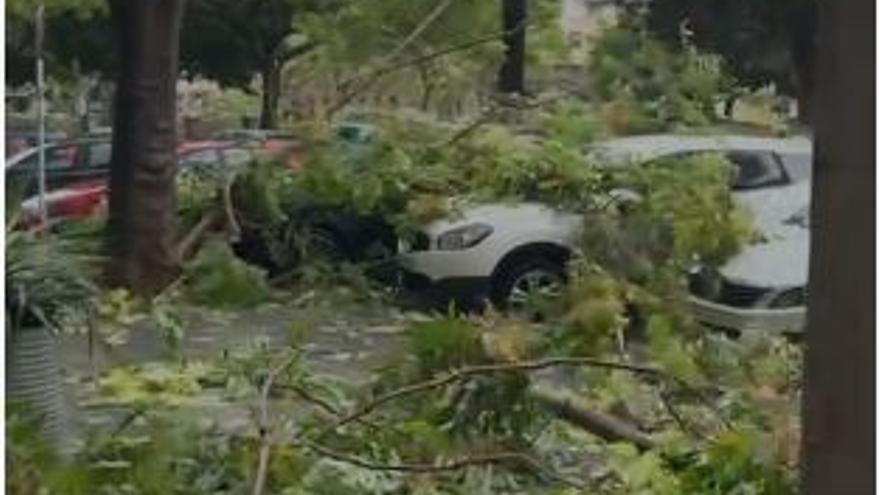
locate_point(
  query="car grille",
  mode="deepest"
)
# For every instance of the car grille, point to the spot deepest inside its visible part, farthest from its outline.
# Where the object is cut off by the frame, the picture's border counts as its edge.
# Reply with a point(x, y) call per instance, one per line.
point(742, 296)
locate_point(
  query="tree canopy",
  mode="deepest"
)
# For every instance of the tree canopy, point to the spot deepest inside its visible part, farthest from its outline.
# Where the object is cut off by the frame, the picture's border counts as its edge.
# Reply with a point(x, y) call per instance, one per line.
point(77, 35)
point(231, 41)
point(762, 42)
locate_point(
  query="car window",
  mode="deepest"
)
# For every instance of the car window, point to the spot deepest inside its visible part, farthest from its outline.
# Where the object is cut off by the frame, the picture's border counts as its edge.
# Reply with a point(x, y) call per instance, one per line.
point(754, 170)
point(99, 155)
point(799, 166)
point(353, 133)
point(236, 156)
point(57, 158)
point(200, 158)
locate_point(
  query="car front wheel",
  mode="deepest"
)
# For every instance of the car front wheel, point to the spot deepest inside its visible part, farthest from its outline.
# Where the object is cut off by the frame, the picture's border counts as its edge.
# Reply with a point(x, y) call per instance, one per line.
point(522, 287)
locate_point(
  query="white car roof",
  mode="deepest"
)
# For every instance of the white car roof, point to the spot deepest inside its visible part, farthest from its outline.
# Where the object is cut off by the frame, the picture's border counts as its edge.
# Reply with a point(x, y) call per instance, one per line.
point(647, 147)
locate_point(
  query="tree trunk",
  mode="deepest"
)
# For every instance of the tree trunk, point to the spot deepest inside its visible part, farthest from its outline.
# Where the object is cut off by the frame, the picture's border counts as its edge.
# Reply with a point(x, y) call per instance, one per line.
point(271, 94)
point(804, 52)
point(839, 400)
point(729, 105)
point(511, 78)
point(143, 210)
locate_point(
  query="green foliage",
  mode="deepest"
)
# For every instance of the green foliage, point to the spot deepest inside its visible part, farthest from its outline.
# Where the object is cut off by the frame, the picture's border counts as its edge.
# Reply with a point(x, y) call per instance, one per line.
point(351, 48)
point(779, 43)
point(595, 315)
point(76, 38)
point(412, 171)
point(231, 41)
point(571, 123)
point(46, 281)
point(153, 384)
point(690, 198)
point(216, 277)
point(444, 343)
point(648, 87)
point(738, 461)
point(675, 355)
point(28, 455)
point(641, 473)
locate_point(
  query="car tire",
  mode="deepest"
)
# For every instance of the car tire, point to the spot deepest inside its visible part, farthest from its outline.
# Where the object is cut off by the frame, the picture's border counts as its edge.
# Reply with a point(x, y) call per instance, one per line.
point(324, 245)
point(510, 286)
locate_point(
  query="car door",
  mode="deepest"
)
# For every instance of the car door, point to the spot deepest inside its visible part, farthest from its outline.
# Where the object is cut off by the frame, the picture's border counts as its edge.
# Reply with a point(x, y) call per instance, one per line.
point(91, 165)
point(22, 178)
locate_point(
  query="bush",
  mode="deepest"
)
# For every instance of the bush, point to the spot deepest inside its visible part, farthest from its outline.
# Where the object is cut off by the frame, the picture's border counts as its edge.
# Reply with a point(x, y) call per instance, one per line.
point(216, 277)
point(647, 86)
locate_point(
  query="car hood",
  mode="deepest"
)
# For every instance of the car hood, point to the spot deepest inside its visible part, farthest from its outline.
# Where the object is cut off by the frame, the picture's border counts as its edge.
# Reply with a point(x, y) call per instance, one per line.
point(771, 207)
point(497, 214)
point(778, 263)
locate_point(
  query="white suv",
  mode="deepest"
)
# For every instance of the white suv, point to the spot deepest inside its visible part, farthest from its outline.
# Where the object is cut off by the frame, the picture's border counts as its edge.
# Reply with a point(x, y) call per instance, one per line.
point(509, 252)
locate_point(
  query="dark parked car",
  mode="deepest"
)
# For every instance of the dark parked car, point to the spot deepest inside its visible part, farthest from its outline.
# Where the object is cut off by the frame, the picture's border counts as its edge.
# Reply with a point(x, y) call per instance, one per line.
point(77, 174)
point(67, 163)
point(18, 141)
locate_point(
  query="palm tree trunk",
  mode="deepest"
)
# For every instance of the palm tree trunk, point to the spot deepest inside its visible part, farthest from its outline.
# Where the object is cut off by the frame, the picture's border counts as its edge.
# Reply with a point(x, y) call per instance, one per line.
point(511, 78)
point(271, 95)
point(143, 211)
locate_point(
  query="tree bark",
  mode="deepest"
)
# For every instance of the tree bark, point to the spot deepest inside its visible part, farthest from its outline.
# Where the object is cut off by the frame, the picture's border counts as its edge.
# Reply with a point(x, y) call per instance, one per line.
point(271, 94)
point(143, 212)
point(511, 77)
point(804, 52)
point(839, 402)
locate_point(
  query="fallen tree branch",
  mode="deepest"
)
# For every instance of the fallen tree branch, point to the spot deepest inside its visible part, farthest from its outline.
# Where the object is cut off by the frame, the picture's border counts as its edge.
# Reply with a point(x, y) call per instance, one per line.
point(491, 112)
point(469, 371)
point(326, 407)
point(677, 417)
point(516, 458)
point(194, 237)
point(420, 28)
point(234, 232)
point(605, 426)
point(263, 424)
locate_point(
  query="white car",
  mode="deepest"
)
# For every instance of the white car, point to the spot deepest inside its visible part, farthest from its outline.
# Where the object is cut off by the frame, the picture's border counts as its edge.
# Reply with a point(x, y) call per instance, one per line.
point(509, 252)
point(764, 286)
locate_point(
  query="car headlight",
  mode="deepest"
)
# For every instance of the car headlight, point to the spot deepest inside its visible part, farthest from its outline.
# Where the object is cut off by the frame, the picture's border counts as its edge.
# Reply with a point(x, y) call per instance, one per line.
point(705, 282)
point(787, 298)
point(463, 237)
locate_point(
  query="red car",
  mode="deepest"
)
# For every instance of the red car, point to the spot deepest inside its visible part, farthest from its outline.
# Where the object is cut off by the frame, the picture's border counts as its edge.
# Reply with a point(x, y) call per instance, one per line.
point(88, 196)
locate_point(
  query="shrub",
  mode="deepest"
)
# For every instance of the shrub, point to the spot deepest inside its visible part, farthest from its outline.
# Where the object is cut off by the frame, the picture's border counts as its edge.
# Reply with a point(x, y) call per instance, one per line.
point(647, 86)
point(216, 277)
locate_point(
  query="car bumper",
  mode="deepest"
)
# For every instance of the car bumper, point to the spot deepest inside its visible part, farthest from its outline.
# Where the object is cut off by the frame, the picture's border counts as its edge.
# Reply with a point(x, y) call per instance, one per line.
point(786, 320)
point(465, 290)
point(475, 262)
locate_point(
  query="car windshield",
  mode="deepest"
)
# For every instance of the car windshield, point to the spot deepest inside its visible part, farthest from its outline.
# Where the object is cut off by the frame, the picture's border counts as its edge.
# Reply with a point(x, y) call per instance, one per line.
point(754, 170)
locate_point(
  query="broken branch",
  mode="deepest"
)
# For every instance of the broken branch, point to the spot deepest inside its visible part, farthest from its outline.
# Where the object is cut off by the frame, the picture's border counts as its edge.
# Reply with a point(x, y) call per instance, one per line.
point(605, 426)
point(265, 441)
point(517, 458)
point(469, 371)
